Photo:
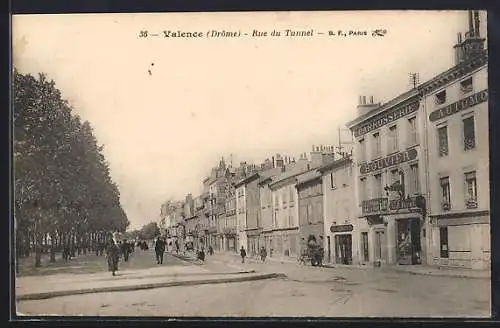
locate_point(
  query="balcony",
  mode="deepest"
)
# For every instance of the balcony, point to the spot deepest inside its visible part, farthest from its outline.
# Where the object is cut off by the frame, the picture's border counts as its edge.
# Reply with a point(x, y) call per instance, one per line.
point(384, 205)
point(375, 206)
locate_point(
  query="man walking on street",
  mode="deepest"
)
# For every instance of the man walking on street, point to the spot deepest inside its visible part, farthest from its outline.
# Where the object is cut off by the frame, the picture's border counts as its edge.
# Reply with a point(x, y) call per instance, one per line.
point(159, 249)
point(243, 254)
point(263, 254)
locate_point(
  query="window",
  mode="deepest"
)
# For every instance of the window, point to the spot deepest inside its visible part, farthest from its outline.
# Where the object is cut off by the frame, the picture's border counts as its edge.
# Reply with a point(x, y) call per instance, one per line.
point(466, 86)
point(393, 138)
point(376, 145)
point(443, 141)
point(332, 180)
point(412, 138)
point(394, 176)
point(309, 213)
point(469, 133)
point(445, 193)
point(414, 181)
point(362, 150)
point(443, 242)
point(362, 189)
point(470, 190)
point(292, 195)
point(378, 185)
point(440, 97)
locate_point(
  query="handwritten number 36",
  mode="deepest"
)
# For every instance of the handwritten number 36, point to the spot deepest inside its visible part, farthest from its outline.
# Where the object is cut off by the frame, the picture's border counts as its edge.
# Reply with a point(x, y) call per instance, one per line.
point(143, 34)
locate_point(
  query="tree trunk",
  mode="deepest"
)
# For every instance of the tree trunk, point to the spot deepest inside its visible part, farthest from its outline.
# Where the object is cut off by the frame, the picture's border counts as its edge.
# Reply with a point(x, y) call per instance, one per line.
point(38, 251)
point(53, 248)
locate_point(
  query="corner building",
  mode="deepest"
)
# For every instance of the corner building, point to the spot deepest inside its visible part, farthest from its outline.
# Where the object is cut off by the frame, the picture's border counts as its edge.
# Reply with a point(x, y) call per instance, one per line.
point(456, 107)
point(388, 172)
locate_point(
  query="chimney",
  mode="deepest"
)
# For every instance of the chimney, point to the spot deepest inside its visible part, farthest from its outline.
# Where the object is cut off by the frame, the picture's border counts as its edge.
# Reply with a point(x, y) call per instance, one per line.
point(471, 24)
point(273, 162)
point(477, 33)
point(363, 107)
point(473, 44)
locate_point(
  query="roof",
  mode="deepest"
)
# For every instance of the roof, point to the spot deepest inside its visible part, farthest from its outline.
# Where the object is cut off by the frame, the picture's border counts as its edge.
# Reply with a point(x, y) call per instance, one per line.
point(291, 173)
point(308, 177)
point(382, 108)
point(335, 164)
point(246, 180)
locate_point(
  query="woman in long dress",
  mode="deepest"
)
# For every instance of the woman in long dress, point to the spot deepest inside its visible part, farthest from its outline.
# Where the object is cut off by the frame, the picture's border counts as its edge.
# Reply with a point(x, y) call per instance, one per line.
point(112, 255)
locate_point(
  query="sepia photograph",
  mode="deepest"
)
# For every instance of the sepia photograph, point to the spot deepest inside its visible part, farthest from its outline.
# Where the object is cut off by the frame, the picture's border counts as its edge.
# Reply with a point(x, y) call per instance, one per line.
point(324, 164)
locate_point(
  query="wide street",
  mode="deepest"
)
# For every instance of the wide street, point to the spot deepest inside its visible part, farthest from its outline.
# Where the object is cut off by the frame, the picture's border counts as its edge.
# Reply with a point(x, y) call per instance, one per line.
point(307, 291)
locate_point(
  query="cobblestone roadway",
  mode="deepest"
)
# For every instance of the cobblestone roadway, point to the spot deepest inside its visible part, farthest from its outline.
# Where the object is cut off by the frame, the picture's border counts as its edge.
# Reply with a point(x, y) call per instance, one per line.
point(308, 292)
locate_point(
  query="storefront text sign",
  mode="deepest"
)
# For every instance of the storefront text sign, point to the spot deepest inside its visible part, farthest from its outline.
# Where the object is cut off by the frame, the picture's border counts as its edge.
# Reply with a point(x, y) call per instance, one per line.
point(460, 105)
point(342, 228)
point(386, 118)
point(388, 161)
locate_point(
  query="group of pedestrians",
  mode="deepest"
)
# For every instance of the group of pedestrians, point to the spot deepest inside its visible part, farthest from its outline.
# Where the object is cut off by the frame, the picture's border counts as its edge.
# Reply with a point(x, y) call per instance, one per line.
point(262, 254)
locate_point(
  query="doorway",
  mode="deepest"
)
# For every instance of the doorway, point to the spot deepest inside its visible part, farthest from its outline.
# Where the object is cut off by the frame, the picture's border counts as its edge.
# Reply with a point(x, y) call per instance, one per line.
point(343, 249)
point(380, 246)
point(329, 249)
point(364, 242)
point(409, 248)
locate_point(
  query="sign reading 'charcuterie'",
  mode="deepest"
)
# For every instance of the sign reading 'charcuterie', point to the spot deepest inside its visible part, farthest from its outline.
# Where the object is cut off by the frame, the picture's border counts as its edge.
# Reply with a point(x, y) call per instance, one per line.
point(388, 161)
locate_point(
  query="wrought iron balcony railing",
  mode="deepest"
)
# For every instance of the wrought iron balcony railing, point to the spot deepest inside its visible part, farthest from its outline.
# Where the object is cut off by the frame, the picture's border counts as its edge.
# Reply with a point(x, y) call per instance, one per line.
point(375, 206)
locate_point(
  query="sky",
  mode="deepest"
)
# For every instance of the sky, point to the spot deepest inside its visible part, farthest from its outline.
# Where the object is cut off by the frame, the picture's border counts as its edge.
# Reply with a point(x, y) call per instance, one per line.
point(167, 109)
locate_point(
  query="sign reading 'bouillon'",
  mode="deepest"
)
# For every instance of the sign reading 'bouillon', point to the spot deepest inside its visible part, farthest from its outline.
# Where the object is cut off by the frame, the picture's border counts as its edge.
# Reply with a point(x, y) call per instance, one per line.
point(460, 105)
point(386, 118)
point(390, 160)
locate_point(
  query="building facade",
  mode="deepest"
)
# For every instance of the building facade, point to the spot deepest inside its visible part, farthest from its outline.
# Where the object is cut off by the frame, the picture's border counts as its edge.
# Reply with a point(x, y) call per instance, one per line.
point(456, 107)
point(344, 243)
point(389, 178)
point(310, 201)
point(230, 235)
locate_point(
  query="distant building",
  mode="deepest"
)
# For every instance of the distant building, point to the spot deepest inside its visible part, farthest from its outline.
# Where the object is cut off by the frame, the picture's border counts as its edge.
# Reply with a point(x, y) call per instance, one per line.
point(340, 208)
point(310, 200)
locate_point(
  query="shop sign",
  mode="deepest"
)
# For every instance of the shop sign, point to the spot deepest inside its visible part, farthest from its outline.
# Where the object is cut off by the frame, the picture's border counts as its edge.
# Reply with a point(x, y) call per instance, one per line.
point(388, 161)
point(402, 203)
point(460, 105)
point(386, 118)
point(342, 228)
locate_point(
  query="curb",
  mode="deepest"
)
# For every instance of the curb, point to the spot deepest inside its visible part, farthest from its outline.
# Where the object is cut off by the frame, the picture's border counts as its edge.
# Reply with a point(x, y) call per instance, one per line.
point(463, 276)
point(47, 295)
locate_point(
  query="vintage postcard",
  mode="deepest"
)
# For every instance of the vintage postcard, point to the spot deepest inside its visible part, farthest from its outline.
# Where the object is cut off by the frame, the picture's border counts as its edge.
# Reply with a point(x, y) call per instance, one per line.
point(252, 164)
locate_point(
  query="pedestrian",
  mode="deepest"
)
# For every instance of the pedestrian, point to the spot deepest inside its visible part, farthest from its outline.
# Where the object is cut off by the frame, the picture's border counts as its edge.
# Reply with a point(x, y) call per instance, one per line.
point(125, 250)
point(201, 255)
point(243, 254)
point(159, 250)
point(112, 255)
point(263, 254)
point(177, 246)
point(210, 250)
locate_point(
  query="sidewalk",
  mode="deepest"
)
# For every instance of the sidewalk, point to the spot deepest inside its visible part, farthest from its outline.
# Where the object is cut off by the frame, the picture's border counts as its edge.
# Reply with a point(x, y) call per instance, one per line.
point(440, 271)
point(32, 287)
point(404, 269)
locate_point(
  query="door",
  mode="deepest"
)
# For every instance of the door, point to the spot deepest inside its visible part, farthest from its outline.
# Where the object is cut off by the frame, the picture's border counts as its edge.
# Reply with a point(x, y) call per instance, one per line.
point(343, 249)
point(380, 245)
point(443, 242)
point(364, 241)
point(329, 249)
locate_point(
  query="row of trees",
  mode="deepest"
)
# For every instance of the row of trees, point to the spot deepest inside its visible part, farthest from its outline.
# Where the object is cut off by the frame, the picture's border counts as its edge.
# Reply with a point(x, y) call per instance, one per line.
point(148, 231)
point(64, 194)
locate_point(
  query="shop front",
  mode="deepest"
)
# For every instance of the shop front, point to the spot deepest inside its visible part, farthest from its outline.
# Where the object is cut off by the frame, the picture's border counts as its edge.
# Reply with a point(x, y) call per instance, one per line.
point(253, 241)
point(461, 240)
point(408, 241)
point(343, 242)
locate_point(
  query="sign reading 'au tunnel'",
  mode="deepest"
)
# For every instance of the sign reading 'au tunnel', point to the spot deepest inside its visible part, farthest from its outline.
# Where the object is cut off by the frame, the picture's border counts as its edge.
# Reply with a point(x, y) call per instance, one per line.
point(388, 161)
